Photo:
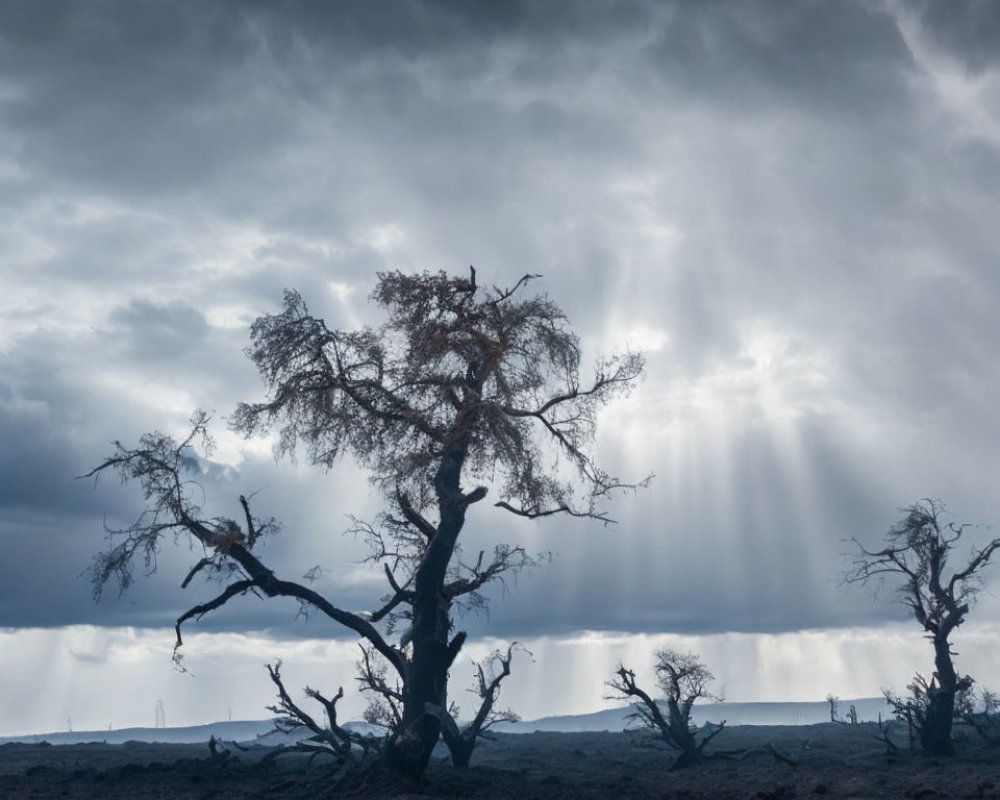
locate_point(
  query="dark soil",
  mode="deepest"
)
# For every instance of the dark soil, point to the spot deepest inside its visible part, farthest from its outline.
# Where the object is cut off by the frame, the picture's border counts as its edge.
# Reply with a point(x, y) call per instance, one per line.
point(831, 761)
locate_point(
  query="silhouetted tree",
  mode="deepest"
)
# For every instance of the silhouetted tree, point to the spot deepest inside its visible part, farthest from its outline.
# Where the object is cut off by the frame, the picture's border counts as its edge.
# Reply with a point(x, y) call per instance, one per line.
point(490, 672)
point(461, 391)
point(318, 738)
point(916, 553)
point(683, 679)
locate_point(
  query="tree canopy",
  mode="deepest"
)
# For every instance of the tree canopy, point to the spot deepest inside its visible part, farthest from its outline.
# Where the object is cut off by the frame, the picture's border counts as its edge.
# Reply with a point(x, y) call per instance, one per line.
point(449, 383)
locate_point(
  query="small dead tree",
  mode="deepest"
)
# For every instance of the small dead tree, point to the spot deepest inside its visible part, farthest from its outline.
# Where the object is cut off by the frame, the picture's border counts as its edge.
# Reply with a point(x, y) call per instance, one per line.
point(683, 679)
point(490, 673)
point(852, 713)
point(833, 701)
point(347, 747)
point(917, 552)
point(462, 392)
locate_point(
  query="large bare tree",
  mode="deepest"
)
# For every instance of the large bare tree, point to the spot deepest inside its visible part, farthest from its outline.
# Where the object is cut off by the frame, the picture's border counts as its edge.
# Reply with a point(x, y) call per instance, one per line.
point(916, 554)
point(463, 391)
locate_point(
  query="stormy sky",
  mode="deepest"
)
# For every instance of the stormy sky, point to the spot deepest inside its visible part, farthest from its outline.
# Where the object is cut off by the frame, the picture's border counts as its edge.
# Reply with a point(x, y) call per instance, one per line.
point(791, 207)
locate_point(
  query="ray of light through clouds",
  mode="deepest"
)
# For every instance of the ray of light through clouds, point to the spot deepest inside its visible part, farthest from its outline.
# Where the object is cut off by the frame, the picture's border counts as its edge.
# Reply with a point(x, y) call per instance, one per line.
point(789, 206)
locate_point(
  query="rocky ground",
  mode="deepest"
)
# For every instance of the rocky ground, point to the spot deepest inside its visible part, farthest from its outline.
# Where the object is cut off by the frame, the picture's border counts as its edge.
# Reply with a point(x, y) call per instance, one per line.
point(830, 761)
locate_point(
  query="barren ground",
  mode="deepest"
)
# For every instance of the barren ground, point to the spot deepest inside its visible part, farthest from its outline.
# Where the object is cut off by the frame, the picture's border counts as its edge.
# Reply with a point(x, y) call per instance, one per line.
point(833, 761)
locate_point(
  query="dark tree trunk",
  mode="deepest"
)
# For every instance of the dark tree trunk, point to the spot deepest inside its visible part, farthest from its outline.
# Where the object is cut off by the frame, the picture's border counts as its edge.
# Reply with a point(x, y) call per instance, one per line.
point(462, 755)
point(460, 745)
point(409, 750)
point(425, 693)
point(682, 738)
point(935, 734)
point(461, 749)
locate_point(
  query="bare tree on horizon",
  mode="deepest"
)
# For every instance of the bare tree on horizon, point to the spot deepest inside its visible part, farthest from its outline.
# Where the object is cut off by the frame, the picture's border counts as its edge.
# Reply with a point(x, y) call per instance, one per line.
point(683, 680)
point(917, 551)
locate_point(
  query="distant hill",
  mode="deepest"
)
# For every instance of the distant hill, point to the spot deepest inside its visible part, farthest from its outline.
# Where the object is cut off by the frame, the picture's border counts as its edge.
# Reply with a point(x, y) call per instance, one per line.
point(615, 719)
point(230, 731)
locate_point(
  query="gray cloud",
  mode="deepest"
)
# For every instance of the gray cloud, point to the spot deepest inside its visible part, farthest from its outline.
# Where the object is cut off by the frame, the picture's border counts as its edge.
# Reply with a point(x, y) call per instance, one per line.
point(842, 59)
point(968, 29)
point(780, 199)
point(151, 331)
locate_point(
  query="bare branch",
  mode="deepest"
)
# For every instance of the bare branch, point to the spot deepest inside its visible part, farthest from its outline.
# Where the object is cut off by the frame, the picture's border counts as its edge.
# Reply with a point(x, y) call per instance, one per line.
point(400, 596)
point(292, 718)
point(384, 710)
point(205, 562)
point(411, 515)
point(548, 512)
point(231, 591)
point(505, 294)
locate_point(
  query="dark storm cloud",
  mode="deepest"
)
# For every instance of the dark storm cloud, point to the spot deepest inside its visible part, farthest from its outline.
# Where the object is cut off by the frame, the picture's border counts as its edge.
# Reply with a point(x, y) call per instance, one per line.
point(843, 59)
point(968, 29)
point(775, 190)
point(129, 97)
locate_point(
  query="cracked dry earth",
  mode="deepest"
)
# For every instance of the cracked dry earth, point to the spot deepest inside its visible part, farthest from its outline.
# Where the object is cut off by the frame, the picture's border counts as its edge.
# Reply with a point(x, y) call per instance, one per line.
point(833, 761)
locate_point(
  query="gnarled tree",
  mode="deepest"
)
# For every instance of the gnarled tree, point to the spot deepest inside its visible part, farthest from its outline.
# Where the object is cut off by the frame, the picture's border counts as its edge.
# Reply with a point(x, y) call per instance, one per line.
point(683, 680)
point(460, 393)
point(916, 554)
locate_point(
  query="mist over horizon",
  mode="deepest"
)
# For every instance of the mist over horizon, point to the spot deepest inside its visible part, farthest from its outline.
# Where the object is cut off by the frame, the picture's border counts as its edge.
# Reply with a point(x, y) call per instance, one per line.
point(261, 731)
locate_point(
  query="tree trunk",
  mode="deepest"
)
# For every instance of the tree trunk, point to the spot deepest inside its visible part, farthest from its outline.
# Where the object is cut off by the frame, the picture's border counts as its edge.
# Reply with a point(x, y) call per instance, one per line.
point(462, 755)
point(409, 749)
point(459, 745)
point(426, 691)
point(461, 749)
point(682, 738)
point(935, 735)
